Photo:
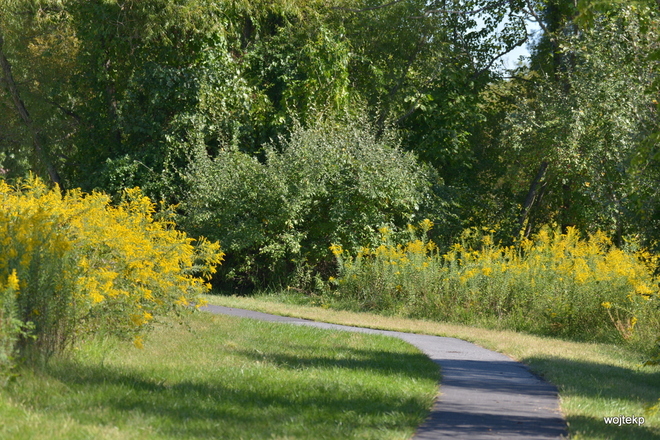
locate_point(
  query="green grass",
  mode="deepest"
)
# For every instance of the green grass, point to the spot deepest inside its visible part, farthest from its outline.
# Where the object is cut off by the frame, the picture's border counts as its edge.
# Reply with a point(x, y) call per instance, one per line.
point(226, 378)
point(595, 380)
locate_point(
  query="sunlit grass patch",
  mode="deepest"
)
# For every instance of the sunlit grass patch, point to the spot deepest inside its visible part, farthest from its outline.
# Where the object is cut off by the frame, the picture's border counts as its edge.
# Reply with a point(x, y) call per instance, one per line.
point(595, 380)
point(226, 378)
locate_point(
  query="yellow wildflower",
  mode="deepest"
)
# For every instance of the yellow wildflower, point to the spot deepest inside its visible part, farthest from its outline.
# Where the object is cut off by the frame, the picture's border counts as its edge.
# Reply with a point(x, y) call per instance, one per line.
point(336, 249)
point(426, 225)
point(182, 301)
point(644, 290)
point(12, 281)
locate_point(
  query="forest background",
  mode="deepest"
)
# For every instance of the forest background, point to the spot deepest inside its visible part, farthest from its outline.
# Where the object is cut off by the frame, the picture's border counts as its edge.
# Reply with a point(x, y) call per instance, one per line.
point(292, 131)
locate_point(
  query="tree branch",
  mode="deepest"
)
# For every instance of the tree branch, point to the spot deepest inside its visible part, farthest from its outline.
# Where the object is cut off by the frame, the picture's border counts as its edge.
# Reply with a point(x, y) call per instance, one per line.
point(407, 114)
point(518, 78)
point(498, 56)
point(381, 120)
point(456, 12)
point(372, 8)
point(539, 20)
point(8, 81)
point(533, 197)
point(64, 110)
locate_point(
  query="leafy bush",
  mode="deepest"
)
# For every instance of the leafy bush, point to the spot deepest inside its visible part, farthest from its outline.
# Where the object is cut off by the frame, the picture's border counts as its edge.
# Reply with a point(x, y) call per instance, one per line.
point(73, 264)
point(552, 284)
point(330, 183)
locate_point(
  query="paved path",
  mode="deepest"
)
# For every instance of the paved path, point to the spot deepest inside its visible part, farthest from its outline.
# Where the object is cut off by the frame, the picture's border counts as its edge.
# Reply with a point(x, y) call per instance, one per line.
point(483, 395)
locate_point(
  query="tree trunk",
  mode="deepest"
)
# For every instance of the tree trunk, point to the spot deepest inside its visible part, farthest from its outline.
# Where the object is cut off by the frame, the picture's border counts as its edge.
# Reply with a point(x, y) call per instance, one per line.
point(111, 100)
point(8, 80)
point(533, 198)
point(567, 217)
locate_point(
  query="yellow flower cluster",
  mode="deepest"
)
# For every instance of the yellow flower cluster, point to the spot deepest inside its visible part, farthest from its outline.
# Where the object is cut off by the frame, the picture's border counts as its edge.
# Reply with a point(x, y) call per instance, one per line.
point(552, 282)
point(83, 264)
point(562, 256)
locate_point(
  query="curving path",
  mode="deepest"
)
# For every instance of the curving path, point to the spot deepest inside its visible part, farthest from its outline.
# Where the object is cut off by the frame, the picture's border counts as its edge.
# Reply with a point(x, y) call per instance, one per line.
point(484, 394)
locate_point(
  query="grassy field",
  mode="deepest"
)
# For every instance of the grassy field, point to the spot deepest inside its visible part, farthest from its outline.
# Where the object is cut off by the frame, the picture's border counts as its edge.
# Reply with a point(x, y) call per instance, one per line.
point(594, 380)
point(225, 378)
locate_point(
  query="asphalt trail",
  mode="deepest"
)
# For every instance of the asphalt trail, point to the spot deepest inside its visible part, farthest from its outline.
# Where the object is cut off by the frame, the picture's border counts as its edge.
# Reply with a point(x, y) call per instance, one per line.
point(483, 394)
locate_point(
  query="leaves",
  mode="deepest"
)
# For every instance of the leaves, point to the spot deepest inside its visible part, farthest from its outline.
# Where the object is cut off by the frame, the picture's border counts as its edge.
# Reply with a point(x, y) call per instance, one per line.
point(332, 182)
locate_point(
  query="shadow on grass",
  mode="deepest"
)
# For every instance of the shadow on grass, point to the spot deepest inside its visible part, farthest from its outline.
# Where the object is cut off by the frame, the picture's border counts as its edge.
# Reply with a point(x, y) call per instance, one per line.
point(214, 408)
point(415, 366)
point(607, 385)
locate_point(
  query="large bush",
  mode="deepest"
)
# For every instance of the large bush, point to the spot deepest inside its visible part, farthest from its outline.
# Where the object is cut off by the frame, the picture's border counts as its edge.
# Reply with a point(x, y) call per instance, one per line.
point(330, 183)
point(72, 264)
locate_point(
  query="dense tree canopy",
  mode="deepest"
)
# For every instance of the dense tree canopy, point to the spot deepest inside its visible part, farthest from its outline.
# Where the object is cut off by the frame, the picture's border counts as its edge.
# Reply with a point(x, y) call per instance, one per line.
point(108, 94)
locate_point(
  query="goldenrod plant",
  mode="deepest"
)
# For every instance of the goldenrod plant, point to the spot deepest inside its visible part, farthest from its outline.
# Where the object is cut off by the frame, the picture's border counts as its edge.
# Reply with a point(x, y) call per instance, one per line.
point(9, 326)
point(554, 283)
point(72, 263)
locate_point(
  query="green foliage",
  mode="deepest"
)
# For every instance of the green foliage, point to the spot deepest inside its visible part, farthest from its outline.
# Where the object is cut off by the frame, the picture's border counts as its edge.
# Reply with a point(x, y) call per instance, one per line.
point(422, 64)
point(332, 182)
point(121, 91)
point(125, 93)
point(589, 122)
point(302, 70)
point(167, 78)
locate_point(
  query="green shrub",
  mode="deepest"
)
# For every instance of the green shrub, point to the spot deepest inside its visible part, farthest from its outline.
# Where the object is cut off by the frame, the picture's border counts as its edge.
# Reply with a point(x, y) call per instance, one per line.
point(330, 183)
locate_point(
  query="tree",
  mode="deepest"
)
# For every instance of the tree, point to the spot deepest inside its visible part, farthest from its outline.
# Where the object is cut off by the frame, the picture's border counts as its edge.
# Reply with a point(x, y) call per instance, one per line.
point(580, 129)
point(33, 140)
point(422, 65)
point(122, 90)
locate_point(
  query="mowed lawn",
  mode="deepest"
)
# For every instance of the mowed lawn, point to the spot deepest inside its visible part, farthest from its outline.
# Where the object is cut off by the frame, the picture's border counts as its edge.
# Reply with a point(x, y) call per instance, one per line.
point(225, 378)
point(595, 380)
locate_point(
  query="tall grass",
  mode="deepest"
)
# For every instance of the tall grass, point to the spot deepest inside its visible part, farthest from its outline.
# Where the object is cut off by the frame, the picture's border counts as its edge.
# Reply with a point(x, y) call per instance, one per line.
point(554, 283)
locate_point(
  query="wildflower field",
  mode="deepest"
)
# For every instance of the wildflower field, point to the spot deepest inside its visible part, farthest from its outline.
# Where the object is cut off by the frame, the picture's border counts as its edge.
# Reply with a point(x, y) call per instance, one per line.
point(72, 264)
point(554, 283)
